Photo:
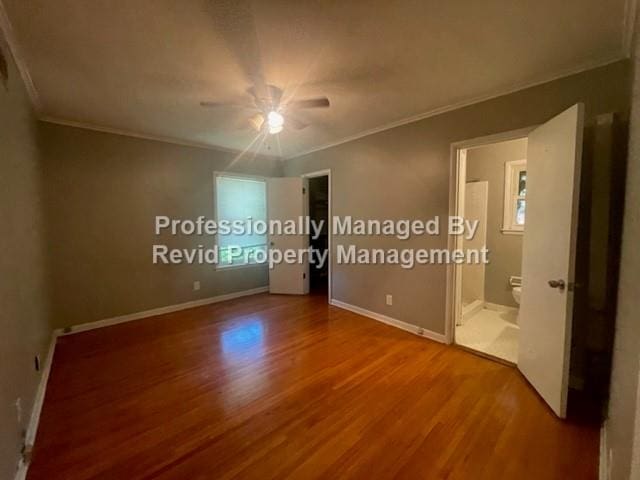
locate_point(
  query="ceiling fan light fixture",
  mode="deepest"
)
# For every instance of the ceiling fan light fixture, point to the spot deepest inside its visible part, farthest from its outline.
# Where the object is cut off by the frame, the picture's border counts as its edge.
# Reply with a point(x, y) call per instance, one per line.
point(275, 121)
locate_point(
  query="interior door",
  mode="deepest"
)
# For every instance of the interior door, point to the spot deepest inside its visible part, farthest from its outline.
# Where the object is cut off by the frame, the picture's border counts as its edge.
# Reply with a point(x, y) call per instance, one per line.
point(287, 200)
point(548, 255)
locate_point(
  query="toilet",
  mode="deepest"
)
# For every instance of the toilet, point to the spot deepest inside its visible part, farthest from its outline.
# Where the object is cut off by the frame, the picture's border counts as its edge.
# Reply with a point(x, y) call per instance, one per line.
point(516, 288)
point(516, 291)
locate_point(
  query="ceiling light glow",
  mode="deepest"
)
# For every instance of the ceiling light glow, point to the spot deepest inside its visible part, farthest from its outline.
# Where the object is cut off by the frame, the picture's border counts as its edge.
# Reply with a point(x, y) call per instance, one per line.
point(275, 121)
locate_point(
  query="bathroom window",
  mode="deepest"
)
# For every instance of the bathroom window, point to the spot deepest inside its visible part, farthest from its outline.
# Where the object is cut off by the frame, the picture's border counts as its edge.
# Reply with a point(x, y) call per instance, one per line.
point(515, 191)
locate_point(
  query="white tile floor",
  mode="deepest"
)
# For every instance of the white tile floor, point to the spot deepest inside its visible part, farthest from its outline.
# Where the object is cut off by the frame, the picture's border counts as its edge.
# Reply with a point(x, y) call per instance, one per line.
point(492, 332)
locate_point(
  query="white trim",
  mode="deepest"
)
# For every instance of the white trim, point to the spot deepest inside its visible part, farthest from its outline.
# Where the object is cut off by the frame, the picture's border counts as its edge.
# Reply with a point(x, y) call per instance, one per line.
point(327, 173)
point(604, 472)
point(408, 327)
point(388, 126)
point(36, 409)
point(318, 173)
point(457, 178)
point(455, 106)
point(145, 136)
point(497, 307)
point(34, 421)
point(107, 322)
point(512, 168)
point(469, 311)
point(21, 472)
point(627, 37)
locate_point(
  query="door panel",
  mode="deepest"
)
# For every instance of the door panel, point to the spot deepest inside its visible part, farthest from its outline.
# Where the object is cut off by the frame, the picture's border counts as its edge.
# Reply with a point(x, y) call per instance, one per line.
point(287, 200)
point(548, 255)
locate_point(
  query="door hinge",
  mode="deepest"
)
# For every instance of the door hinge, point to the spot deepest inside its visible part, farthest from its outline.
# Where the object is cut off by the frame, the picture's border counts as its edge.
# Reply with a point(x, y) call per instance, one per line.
point(304, 191)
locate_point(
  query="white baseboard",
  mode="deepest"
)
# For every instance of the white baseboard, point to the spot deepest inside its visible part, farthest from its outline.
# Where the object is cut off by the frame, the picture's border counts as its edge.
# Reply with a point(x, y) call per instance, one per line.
point(34, 420)
point(21, 473)
point(603, 466)
point(158, 311)
point(36, 409)
point(496, 307)
point(423, 332)
point(471, 309)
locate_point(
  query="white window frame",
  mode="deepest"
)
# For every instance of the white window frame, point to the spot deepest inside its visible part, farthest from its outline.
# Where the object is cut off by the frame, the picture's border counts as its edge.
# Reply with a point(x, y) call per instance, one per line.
point(240, 176)
point(512, 171)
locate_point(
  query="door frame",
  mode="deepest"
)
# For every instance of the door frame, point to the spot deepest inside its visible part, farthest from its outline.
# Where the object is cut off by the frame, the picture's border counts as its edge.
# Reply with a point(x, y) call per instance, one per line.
point(457, 179)
point(326, 173)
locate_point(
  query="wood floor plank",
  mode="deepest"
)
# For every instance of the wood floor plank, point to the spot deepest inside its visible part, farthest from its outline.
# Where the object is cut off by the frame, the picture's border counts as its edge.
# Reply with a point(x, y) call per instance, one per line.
point(270, 387)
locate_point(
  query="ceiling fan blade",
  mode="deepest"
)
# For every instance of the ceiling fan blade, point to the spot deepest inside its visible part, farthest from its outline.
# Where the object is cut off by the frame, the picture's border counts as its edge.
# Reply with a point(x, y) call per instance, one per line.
point(275, 95)
point(320, 102)
point(266, 97)
point(258, 96)
point(295, 123)
point(210, 104)
point(256, 121)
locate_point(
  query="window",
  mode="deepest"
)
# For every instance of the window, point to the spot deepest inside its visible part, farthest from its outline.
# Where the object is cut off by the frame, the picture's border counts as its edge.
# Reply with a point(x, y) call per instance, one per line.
point(237, 199)
point(515, 190)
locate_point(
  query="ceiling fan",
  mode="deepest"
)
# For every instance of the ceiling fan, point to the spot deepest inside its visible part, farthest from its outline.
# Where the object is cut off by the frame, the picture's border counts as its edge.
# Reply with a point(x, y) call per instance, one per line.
point(271, 113)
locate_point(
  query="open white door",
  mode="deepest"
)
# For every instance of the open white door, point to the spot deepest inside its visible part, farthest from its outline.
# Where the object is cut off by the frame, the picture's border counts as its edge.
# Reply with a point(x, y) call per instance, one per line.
point(548, 255)
point(287, 200)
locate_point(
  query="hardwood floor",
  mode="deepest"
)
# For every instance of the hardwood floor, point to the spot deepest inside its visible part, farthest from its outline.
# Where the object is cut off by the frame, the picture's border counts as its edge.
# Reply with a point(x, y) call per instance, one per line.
point(270, 387)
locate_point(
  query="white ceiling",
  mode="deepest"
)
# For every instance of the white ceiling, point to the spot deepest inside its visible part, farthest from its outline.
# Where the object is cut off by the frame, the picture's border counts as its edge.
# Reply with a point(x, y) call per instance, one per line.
point(143, 66)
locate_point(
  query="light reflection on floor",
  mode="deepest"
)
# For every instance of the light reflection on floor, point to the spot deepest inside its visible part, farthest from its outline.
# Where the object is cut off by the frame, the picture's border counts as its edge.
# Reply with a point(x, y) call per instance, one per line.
point(243, 345)
point(245, 341)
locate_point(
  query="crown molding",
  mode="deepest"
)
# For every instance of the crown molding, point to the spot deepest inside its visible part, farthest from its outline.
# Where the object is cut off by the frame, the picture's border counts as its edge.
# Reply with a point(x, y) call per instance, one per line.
point(16, 52)
point(147, 136)
point(455, 106)
point(628, 27)
point(18, 58)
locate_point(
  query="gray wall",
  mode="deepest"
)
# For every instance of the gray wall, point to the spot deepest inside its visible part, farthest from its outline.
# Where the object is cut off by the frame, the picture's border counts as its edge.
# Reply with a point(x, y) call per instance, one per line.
point(23, 296)
point(102, 193)
point(623, 425)
point(487, 163)
point(404, 173)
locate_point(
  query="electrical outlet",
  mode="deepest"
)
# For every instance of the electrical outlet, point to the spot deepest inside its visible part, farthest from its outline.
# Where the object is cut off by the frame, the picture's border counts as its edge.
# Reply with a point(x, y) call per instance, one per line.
point(196, 285)
point(389, 299)
point(19, 410)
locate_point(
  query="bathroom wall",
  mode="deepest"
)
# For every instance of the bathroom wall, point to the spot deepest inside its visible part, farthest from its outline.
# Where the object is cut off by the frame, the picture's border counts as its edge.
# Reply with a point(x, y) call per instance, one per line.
point(505, 257)
point(475, 208)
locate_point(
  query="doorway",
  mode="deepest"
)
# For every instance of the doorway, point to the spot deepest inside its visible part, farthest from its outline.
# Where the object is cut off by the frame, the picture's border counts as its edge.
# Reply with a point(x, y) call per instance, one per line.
point(493, 194)
point(319, 211)
point(551, 181)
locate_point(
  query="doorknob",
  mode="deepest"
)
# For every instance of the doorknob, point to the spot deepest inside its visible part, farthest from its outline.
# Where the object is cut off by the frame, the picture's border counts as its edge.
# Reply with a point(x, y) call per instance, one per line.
point(272, 244)
point(559, 284)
